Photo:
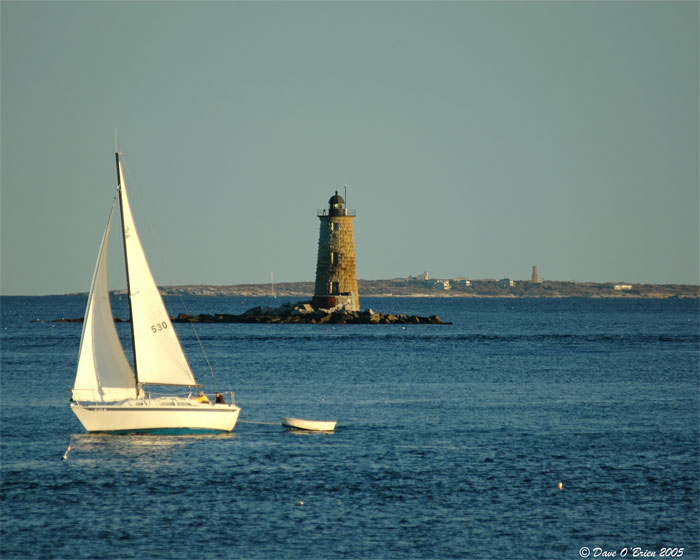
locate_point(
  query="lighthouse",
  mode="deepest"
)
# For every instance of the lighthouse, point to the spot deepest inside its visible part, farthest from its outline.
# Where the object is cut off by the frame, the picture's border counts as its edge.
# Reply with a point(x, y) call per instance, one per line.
point(336, 279)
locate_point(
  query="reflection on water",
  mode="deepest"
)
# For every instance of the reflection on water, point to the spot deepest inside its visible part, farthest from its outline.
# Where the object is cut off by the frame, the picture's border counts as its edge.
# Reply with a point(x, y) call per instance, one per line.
point(143, 450)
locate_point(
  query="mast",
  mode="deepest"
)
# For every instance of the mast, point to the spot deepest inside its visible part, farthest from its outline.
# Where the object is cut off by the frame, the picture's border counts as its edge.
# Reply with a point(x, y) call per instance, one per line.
point(126, 266)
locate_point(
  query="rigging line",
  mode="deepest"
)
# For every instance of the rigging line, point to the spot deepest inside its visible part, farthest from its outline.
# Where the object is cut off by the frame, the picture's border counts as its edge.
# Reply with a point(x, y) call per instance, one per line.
point(201, 346)
point(164, 258)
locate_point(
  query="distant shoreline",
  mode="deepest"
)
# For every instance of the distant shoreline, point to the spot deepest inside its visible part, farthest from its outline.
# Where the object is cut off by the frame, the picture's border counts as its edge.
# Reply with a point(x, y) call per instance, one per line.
point(401, 287)
point(406, 288)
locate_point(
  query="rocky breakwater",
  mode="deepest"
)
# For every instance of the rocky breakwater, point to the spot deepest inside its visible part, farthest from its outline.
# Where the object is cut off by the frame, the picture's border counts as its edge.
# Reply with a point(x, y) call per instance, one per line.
point(304, 313)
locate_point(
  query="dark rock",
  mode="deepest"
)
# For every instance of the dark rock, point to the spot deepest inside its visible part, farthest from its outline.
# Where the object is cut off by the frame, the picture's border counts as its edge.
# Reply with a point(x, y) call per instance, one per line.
point(299, 313)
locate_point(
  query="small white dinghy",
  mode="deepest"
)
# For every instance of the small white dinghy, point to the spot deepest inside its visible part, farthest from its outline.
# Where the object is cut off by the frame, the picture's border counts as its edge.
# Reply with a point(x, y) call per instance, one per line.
point(308, 425)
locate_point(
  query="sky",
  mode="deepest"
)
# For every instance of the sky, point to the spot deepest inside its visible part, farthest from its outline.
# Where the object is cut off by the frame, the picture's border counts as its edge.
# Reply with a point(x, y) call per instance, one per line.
point(476, 139)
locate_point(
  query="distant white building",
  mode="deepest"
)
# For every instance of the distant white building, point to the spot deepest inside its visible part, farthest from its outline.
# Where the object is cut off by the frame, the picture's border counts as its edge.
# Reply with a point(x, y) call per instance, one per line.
point(622, 287)
point(441, 284)
point(506, 283)
point(434, 283)
point(461, 282)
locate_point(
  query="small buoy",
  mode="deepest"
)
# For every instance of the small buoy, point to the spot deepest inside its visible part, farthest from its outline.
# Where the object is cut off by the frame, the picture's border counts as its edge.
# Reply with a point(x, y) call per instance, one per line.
point(560, 486)
point(65, 455)
point(300, 502)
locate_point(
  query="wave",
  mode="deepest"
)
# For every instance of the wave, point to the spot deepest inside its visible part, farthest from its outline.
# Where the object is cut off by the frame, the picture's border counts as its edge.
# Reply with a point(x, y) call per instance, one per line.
point(597, 338)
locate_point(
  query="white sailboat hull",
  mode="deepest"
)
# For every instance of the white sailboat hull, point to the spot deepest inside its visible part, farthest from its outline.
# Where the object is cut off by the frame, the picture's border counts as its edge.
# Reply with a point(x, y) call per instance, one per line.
point(162, 415)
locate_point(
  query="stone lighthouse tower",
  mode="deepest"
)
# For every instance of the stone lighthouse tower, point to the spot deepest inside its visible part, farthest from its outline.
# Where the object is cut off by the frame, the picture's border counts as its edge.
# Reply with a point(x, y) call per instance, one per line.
point(336, 279)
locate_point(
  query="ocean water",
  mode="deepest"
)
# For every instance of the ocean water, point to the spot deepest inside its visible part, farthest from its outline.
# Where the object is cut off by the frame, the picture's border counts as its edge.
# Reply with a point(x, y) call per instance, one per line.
point(451, 441)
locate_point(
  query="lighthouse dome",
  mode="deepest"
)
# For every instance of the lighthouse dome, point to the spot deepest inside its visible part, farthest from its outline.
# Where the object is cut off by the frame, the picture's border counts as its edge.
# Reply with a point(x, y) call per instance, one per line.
point(335, 200)
point(336, 205)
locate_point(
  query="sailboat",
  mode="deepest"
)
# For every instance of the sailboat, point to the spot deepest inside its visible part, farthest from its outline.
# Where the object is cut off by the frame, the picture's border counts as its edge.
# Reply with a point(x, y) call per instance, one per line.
point(111, 396)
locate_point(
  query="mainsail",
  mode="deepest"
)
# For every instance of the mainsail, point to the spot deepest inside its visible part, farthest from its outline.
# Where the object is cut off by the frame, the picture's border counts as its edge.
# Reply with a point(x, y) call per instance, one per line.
point(158, 354)
point(104, 374)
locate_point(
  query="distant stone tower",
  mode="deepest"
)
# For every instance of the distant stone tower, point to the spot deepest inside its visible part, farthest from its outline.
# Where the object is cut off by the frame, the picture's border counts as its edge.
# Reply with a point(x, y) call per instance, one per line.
point(535, 279)
point(336, 279)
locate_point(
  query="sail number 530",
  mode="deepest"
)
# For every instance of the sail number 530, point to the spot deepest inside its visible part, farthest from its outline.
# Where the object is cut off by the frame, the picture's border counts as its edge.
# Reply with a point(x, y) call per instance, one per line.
point(159, 327)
